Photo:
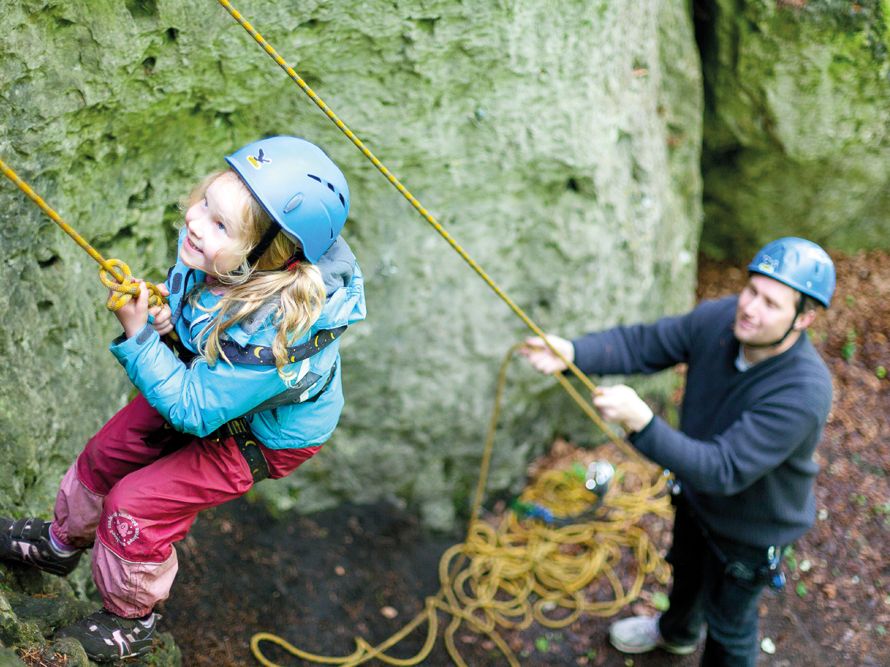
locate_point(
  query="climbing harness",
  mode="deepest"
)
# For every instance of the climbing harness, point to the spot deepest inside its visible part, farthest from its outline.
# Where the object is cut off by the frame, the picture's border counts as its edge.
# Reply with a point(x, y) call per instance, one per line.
point(239, 431)
point(113, 273)
point(299, 393)
point(261, 355)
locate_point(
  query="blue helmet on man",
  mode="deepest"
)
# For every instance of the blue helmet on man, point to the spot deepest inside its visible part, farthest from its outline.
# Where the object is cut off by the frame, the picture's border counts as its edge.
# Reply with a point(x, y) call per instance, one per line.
point(798, 263)
point(301, 189)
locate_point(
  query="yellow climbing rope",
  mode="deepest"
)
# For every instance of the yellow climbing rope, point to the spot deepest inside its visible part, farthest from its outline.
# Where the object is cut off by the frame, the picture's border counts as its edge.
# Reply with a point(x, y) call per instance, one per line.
point(113, 273)
point(397, 184)
point(517, 572)
point(486, 551)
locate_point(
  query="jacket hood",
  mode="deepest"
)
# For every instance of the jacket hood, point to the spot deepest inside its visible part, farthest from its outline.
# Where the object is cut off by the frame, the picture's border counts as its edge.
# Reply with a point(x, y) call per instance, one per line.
point(337, 266)
point(345, 287)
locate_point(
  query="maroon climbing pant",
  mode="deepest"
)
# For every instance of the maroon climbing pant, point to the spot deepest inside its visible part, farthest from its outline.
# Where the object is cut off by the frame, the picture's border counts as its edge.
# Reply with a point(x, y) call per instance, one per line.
point(136, 489)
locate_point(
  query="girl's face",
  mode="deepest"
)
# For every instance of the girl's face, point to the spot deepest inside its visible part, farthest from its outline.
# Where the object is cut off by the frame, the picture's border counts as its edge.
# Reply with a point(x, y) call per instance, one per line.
point(212, 225)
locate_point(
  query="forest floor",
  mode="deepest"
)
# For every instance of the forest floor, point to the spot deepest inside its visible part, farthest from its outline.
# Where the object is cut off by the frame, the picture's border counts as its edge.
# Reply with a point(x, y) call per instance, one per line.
point(321, 580)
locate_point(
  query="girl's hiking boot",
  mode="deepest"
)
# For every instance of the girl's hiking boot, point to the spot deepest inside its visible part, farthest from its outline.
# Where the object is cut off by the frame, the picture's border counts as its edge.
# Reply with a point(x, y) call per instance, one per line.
point(106, 637)
point(28, 541)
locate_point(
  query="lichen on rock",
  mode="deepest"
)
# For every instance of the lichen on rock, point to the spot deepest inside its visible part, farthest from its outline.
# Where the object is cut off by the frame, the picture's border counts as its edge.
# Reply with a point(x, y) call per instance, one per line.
point(797, 123)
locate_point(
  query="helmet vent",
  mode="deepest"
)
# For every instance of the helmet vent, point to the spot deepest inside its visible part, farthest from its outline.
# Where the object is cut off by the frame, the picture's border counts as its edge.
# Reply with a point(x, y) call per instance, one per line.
point(295, 201)
point(330, 187)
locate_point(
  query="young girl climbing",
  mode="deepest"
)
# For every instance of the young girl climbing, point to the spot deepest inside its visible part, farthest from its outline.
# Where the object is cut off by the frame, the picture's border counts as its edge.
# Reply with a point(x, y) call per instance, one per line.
point(262, 288)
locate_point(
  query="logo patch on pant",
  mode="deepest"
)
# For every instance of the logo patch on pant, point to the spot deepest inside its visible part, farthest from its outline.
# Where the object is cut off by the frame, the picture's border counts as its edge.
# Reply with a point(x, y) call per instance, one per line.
point(123, 528)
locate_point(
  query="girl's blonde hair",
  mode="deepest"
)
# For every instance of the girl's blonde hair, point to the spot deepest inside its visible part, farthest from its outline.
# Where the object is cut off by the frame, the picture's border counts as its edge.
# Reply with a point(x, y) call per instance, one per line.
point(299, 292)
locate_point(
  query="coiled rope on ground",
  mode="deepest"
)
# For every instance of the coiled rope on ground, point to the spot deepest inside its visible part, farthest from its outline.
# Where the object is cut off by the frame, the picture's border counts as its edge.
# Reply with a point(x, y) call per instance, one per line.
point(515, 572)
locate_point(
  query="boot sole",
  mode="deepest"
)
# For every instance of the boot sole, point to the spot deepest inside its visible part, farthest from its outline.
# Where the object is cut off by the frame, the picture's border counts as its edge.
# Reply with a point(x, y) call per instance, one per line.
point(632, 649)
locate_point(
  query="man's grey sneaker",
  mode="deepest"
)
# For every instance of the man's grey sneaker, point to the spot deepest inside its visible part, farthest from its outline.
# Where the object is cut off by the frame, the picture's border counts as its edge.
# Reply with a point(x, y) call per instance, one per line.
point(106, 636)
point(27, 541)
point(639, 634)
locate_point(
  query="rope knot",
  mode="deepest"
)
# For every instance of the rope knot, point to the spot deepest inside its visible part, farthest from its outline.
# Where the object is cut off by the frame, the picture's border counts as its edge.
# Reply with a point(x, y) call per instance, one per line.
point(122, 290)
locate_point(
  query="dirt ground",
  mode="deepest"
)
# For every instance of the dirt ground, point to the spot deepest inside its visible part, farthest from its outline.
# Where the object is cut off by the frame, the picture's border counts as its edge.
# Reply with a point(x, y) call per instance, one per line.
point(319, 581)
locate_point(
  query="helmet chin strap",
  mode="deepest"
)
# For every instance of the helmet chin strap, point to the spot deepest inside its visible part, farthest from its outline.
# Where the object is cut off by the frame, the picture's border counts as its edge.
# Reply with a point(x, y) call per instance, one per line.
point(263, 244)
point(797, 313)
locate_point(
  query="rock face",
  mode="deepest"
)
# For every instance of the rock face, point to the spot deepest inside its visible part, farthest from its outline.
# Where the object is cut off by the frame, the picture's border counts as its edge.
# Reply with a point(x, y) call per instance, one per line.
point(33, 605)
point(560, 147)
point(797, 123)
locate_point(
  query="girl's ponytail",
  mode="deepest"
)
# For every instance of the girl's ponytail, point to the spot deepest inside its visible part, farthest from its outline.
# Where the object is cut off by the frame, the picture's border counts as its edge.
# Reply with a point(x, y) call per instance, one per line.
point(302, 300)
point(299, 294)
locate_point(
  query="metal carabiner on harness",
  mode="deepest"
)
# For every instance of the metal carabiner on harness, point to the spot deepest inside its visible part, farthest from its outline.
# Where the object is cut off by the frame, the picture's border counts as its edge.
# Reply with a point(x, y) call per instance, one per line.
point(774, 563)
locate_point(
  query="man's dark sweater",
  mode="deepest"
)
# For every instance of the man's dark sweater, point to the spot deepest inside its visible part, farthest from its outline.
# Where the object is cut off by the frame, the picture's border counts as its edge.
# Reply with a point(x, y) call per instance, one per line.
point(744, 452)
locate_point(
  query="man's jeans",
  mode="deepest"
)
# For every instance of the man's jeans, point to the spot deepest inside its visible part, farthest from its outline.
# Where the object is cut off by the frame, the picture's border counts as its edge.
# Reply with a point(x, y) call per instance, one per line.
point(718, 583)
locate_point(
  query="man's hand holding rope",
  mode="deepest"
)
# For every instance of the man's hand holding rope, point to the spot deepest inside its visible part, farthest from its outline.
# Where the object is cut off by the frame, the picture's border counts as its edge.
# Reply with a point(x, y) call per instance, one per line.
point(542, 358)
point(622, 404)
point(617, 404)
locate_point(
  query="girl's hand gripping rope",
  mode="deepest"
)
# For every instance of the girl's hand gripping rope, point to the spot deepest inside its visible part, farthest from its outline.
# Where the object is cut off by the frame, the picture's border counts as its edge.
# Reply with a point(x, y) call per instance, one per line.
point(133, 315)
point(160, 316)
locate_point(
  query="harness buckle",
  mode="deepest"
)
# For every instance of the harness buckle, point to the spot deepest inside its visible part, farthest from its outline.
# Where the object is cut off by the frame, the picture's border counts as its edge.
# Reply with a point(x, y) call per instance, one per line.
point(248, 445)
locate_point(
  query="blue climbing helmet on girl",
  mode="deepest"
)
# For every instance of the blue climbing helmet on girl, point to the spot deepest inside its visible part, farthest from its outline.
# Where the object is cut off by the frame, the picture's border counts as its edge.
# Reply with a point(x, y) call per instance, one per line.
point(301, 189)
point(798, 263)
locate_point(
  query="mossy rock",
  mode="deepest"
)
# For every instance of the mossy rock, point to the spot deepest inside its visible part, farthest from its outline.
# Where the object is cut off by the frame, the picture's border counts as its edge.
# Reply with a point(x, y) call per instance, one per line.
point(9, 658)
point(559, 148)
point(797, 123)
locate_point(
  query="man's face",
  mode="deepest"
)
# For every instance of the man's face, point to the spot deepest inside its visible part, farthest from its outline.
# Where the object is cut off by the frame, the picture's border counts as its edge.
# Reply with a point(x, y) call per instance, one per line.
point(765, 311)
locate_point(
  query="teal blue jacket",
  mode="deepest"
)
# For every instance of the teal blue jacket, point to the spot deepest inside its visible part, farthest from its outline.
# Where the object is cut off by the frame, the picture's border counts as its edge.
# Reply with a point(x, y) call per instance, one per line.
point(198, 398)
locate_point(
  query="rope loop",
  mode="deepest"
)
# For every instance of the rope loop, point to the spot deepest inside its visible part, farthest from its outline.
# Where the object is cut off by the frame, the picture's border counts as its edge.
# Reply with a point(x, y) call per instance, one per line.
point(124, 290)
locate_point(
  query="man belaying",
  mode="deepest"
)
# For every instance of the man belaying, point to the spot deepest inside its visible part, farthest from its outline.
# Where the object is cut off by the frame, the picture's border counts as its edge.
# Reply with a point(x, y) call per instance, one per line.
point(756, 400)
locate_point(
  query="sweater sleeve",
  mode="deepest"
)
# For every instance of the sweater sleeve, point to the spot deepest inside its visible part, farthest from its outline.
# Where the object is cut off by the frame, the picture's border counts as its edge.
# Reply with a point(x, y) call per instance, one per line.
point(198, 398)
point(642, 348)
point(760, 440)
